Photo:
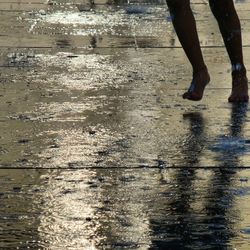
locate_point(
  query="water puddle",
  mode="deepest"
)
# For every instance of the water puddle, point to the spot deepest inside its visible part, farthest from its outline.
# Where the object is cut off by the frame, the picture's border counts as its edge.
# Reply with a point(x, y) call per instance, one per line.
point(99, 151)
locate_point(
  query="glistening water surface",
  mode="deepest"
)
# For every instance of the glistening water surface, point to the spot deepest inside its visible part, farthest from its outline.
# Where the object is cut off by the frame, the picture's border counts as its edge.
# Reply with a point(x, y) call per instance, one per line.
point(98, 150)
point(125, 209)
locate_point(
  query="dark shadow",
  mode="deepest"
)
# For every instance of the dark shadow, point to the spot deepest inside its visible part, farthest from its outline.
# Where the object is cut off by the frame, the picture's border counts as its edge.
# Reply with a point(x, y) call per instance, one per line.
point(219, 207)
point(63, 42)
point(194, 143)
point(238, 117)
point(119, 2)
point(212, 226)
point(174, 229)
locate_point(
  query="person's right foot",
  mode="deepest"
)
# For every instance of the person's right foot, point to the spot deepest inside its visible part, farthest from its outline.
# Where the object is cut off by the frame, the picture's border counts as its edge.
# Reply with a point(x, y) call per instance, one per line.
point(198, 84)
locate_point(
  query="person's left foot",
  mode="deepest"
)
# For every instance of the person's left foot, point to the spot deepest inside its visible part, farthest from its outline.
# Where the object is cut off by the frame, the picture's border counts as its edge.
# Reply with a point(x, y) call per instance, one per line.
point(239, 89)
point(198, 84)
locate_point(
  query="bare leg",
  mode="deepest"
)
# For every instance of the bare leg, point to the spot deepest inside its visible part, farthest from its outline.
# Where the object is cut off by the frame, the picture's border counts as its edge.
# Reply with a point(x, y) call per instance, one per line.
point(230, 28)
point(185, 27)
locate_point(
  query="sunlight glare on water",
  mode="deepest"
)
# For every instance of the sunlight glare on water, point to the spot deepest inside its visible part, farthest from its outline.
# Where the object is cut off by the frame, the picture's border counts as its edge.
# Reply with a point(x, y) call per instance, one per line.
point(98, 150)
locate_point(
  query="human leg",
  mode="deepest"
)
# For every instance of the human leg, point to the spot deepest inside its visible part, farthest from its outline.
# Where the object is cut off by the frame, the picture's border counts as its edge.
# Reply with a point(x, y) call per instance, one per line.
point(229, 24)
point(185, 27)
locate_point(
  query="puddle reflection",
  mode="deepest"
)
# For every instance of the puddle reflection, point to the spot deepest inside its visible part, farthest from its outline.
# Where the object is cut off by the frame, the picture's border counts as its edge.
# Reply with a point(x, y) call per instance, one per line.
point(195, 219)
point(220, 207)
point(196, 139)
point(151, 208)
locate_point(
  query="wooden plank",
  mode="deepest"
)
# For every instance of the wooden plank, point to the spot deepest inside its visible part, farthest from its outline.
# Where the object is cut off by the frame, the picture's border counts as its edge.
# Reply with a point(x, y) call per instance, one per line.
point(54, 205)
point(44, 126)
point(76, 30)
point(17, 7)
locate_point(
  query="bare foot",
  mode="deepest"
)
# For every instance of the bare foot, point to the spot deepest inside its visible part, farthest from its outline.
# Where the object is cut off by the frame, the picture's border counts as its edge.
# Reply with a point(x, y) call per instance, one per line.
point(239, 89)
point(198, 84)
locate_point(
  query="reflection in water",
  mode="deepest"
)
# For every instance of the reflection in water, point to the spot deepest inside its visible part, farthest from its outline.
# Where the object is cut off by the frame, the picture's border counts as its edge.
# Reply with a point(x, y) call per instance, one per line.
point(239, 112)
point(175, 228)
point(63, 42)
point(192, 218)
point(195, 141)
point(101, 208)
point(221, 214)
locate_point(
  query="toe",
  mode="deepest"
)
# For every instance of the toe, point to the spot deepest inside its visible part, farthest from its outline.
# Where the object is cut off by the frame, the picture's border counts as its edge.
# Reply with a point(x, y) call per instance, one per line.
point(230, 99)
point(192, 96)
point(243, 98)
point(186, 95)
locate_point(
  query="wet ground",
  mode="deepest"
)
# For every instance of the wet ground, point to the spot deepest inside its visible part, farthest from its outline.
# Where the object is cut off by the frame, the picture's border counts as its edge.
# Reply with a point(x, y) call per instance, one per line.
point(98, 150)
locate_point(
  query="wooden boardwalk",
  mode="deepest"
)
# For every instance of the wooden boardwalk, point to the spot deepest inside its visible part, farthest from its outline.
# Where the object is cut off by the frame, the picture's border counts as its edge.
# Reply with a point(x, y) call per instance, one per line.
point(98, 150)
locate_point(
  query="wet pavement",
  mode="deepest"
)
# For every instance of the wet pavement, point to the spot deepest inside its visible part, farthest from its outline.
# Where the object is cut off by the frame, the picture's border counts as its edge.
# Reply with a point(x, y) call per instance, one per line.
point(98, 150)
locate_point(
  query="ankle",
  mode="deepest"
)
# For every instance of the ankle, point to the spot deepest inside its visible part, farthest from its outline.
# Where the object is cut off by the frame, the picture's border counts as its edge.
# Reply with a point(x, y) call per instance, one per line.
point(238, 70)
point(200, 70)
